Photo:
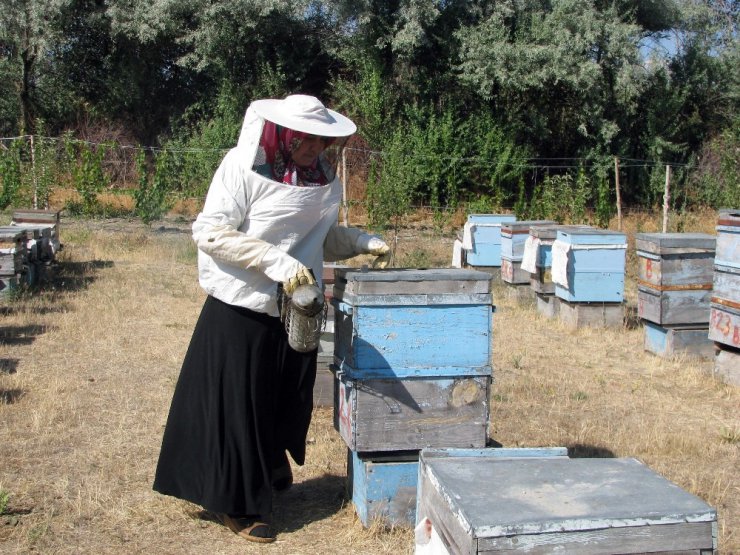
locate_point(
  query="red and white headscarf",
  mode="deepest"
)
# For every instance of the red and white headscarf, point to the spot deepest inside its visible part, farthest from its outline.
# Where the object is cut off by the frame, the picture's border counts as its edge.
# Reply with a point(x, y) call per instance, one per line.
point(274, 158)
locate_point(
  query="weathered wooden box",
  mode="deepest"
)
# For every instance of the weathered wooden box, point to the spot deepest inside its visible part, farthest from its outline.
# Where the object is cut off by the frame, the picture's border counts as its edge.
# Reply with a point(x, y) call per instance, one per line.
point(383, 486)
point(728, 238)
point(675, 341)
point(674, 273)
point(13, 252)
point(560, 505)
point(42, 219)
point(411, 413)
point(482, 238)
point(404, 323)
point(538, 246)
point(588, 265)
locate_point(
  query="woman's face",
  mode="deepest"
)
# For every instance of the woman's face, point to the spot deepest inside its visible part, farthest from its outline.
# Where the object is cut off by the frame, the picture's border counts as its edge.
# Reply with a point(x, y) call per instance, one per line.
point(308, 150)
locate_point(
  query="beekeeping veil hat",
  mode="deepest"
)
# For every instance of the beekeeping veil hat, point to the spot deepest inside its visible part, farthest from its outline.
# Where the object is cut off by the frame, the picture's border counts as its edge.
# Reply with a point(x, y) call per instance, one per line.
point(305, 113)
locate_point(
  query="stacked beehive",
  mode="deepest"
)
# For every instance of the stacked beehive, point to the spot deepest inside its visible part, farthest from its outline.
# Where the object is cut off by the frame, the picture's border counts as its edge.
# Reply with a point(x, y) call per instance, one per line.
point(513, 237)
point(412, 362)
point(553, 504)
point(724, 319)
point(13, 257)
point(674, 276)
point(481, 241)
point(588, 268)
point(537, 262)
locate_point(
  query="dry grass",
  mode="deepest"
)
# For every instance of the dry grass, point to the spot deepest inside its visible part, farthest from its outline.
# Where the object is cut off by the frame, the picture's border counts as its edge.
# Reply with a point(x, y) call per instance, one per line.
point(88, 365)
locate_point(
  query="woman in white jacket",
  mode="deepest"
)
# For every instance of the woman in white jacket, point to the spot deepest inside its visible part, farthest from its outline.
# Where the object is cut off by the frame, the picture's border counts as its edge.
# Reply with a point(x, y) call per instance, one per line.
point(244, 397)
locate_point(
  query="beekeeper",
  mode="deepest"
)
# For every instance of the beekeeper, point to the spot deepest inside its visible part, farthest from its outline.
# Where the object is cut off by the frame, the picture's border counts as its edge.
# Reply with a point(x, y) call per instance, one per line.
point(244, 397)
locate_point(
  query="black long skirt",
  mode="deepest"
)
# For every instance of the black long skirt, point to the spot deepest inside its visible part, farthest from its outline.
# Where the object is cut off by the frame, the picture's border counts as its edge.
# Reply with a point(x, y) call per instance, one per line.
point(243, 399)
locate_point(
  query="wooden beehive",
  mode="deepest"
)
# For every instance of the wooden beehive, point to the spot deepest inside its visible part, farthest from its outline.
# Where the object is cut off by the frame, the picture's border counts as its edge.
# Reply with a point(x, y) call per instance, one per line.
point(412, 358)
point(13, 252)
point(513, 237)
point(412, 323)
point(41, 219)
point(724, 317)
point(560, 505)
point(674, 272)
point(485, 230)
point(592, 261)
point(672, 341)
point(543, 237)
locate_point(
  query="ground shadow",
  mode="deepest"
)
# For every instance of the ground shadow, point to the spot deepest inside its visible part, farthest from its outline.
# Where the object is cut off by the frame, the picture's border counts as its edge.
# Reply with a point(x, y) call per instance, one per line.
point(8, 365)
point(10, 396)
point(20, 335)
point(309, 501)
point(581, 451)
point(74, 276)
point(302, 504)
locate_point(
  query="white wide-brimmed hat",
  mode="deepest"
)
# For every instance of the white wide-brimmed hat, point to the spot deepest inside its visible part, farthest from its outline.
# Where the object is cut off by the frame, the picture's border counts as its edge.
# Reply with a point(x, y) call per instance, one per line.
point(305, 113)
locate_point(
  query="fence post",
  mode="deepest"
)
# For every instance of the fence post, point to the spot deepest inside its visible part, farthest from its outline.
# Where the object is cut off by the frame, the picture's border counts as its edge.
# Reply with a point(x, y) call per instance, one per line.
point(33, 176)
point(666, 197)
point(345, 207)
point(619, 193)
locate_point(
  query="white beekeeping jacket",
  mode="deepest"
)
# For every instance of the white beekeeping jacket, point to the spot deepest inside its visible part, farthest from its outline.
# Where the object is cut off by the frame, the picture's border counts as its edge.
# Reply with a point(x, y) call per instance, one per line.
point(254, 232)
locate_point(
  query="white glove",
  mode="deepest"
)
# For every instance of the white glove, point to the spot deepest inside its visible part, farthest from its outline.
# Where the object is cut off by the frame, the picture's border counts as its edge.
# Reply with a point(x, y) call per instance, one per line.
point(372, 244)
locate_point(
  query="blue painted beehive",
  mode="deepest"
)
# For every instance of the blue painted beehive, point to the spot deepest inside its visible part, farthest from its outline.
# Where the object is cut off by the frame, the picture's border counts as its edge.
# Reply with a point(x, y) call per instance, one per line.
point(482, 238)
point(588, 265)
point(412, 358)
point(412, 323)
point(537, 258)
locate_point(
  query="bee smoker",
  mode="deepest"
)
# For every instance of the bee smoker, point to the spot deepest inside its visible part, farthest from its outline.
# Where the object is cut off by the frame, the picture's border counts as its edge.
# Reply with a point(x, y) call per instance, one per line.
point(304, 315)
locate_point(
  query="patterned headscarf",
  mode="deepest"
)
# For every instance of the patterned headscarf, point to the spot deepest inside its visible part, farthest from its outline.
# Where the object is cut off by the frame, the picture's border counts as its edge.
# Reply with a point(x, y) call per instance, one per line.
point(274, 161)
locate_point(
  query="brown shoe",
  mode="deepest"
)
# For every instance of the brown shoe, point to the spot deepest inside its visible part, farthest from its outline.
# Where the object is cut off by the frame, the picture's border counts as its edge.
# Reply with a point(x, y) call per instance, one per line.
point(248, 528)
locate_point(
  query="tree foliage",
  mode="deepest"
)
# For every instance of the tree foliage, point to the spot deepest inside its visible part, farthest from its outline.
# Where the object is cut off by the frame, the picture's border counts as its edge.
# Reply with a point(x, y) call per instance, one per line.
point(466, 101)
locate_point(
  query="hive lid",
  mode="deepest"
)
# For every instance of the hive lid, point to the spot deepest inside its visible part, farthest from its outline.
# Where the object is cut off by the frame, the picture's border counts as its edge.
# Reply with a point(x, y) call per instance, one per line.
point(550, 231)
point(506, 497)
point(490, 219)
point(668, 243)
point(592, 236)
point(523, 226)
point(461, 284)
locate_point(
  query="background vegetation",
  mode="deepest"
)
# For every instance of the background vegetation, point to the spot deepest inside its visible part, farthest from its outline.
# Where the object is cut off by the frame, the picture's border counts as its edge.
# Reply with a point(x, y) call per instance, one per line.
point(493, 102)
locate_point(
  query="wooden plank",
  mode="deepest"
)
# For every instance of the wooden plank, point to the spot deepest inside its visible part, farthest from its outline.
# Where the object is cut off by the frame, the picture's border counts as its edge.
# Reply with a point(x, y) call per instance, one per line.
point(671, 538)
point(403, 414)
